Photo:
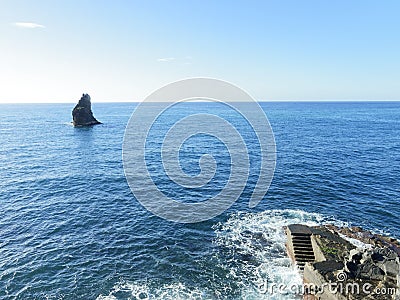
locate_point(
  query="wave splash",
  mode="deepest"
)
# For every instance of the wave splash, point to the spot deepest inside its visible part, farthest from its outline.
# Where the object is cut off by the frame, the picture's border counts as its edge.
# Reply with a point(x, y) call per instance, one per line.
point(255, 243)
point(126, 290)
point(251, 251)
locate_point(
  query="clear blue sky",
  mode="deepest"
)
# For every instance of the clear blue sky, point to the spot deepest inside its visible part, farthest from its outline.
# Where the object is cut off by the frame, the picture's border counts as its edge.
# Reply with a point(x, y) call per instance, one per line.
point(123, 50)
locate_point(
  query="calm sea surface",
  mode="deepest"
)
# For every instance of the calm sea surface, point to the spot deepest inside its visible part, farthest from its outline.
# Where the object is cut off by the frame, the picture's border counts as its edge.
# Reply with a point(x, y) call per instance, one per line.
point(70, 228)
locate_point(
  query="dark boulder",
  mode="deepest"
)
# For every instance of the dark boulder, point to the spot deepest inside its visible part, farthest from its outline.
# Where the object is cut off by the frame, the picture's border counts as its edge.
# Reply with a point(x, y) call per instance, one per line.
point(373, 264)
point(82, 114)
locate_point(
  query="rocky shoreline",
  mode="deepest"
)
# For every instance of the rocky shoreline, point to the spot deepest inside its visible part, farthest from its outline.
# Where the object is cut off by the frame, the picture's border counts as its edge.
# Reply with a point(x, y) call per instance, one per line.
point(367, 237)
point(345, 262)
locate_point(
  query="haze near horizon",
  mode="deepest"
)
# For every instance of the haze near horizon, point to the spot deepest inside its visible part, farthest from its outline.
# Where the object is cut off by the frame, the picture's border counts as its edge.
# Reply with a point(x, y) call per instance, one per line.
point(123, 51)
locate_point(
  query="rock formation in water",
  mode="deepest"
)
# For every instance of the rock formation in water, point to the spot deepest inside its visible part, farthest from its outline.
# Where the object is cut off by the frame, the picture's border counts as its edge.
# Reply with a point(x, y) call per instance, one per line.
point(82, 114)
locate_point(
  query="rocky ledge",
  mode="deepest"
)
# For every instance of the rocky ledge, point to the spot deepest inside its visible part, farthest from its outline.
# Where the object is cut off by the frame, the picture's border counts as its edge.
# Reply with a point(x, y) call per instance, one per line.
point(82, 114)
point(345, 263)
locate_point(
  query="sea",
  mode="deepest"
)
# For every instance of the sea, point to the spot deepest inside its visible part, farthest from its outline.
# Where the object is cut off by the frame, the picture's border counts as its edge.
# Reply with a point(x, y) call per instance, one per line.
point(71, 228)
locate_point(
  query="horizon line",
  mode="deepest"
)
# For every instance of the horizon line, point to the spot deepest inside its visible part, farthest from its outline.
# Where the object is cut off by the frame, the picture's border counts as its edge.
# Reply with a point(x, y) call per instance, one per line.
point(261, 101)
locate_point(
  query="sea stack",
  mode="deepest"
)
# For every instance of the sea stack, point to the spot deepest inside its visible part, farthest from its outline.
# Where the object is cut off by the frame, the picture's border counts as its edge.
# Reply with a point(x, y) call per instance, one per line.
point(82, 114)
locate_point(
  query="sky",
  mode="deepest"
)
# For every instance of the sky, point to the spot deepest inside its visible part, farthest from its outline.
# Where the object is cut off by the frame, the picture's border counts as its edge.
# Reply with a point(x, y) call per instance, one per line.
point(53, 51)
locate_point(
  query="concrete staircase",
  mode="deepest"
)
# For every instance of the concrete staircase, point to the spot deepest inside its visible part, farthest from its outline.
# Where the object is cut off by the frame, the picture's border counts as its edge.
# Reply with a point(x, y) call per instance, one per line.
point(299, 244)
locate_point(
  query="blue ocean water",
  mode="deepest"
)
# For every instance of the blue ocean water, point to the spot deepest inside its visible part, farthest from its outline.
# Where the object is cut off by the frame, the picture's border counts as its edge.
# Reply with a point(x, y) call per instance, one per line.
point(70, 228)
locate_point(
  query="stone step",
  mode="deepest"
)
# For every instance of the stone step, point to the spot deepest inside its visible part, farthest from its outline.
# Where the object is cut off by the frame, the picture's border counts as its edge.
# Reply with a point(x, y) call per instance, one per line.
point(303, 247)
point(302, 244)
point(307, 256)
point(305, 259)
point(301, 265)
point(301, 234)
point(302, 240)
point(306, 240)
point(303, 250)
point(301, 237)
point(305, 253)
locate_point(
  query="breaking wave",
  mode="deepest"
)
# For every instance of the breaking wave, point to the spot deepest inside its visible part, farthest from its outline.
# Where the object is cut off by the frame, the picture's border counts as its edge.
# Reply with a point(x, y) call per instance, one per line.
point(250, 249)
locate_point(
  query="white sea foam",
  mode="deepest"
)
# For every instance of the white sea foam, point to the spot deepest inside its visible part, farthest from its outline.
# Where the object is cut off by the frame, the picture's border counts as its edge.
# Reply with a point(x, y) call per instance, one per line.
point(254, 256)
point(356, 242)
point(261, 236)
point(175, 291)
